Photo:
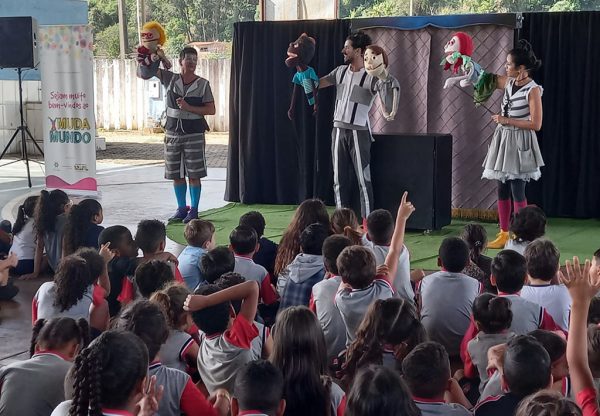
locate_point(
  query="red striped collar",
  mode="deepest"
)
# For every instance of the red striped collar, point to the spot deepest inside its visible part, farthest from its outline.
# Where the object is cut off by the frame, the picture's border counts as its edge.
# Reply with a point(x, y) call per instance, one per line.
point(154, 364)
point(243, 256)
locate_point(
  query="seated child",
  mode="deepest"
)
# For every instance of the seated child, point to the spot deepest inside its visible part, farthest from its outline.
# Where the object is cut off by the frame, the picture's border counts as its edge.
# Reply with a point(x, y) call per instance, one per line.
point(226, 341)
point(23, 242)
point(344, 222)
point(543, 259)
point(583, 284)
point(389, 331)
point(244, 243)
point(180, 396)
point(151, 238)
point(266, 254)
point(34, 387)
point(360, 284)
point(323, 295)
point(446, 297)
point(548, 403)
point(122, 267)
point(509, 273)
point(258, 390)
point(527, 225)
point(180, 351)
point(200, 236)
point(262, 345)
point(82, 228)
point(151, 277)
point(479, 266)
point(112, 376)
point(426, 370)
point(377, 390)
point(7, 289)
point(215, 263)
point(295, 283)
point(526, 370)
point(492, 317)
point(73, 292)
point(380, 228)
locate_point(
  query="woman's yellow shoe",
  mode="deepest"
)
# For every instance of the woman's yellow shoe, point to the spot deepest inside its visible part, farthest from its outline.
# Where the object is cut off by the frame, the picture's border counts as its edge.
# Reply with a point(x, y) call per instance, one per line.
point(500, 241)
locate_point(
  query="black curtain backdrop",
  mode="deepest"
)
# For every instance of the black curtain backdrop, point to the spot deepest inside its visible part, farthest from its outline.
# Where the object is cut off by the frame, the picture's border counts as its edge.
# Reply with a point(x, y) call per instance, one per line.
point(272, 159)
point(568, 43)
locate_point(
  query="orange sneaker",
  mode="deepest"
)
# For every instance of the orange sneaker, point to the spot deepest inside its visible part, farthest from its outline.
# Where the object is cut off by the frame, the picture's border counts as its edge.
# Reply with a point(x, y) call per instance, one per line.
point(500, 241)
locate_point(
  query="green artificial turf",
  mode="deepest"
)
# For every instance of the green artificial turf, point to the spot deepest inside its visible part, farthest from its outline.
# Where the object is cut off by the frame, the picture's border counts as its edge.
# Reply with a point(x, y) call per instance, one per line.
point(572, 236)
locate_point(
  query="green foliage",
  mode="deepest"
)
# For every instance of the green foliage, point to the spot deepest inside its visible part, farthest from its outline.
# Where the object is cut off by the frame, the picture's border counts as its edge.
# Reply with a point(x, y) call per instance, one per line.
point(184, 21)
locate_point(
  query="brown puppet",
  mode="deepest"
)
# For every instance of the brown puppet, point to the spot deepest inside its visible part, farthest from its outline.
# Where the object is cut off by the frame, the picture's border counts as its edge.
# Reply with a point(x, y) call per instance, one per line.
point(299, 54)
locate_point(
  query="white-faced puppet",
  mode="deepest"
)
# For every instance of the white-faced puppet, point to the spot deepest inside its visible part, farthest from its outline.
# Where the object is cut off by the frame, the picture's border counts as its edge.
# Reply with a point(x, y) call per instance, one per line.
point(376, 65)
point(153, 39)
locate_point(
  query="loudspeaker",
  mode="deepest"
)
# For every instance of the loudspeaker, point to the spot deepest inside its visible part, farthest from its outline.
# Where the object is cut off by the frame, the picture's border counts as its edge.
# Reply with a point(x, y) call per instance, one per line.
point(19, 42)
point(420, 164)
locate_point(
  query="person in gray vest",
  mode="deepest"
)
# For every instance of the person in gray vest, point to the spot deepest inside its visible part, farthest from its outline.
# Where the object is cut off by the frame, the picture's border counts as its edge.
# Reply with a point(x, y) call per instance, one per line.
point(188, 99)
point(351, 136)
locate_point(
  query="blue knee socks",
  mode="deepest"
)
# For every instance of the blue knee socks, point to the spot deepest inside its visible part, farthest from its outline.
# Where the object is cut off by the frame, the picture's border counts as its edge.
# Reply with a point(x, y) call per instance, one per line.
point(180, 191)
point(195, 195)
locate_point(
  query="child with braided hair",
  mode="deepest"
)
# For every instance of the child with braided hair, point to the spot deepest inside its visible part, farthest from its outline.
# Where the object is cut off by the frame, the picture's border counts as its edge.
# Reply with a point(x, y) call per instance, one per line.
point(147, 320)
point(34, 387)
point(180, 350)
point(388, 332)
point(110, 377)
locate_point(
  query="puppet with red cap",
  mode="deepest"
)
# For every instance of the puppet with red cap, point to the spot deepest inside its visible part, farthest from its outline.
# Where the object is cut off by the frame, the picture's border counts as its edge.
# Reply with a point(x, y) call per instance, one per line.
point(459, 50)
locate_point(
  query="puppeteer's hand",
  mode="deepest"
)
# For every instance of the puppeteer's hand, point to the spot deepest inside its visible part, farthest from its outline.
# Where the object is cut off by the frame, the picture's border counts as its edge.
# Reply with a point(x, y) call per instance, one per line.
point(182, 104)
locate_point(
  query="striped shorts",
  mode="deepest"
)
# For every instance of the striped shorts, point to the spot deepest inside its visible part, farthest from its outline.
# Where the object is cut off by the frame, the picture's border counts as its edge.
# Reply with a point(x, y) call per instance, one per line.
point(185, 156)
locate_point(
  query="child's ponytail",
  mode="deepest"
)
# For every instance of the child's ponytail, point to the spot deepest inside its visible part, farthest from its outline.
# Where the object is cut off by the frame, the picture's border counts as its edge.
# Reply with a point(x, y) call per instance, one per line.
point(72, 280)
point(78, 222)
point(50, 205)
point(26, 212)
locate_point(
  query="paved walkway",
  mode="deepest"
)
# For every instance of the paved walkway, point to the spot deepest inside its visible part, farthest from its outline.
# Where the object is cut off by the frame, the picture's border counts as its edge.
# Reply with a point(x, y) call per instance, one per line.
point(129, 191)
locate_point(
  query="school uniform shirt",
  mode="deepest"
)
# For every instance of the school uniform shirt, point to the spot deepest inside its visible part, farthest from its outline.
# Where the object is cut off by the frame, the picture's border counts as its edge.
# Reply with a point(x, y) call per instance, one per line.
point(42, 305)
point(33, 387)
point(476, 359)
point(323, 305)
point(516, 245)
point(23, 244)
point(53, 241)
point(256, 346)
point(251, 413)
point(431, 407)
point(353, 304)
point(402, 284)
point(90, 239)
point(446, 303)
point(221, 355)
point(246, 267)
point(266, 254)
point(172, 353)
point(189, 266)
point(504, 405)
point(587, 401)
point(527, 317)
point(180, 395)
point(494, 387)
point(554, 298)
point(338, 400)
point(296, 282)
point(63, 410)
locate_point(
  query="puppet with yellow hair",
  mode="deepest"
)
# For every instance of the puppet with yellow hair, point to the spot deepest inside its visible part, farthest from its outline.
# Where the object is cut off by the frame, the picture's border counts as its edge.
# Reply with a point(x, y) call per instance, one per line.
point(153, 39)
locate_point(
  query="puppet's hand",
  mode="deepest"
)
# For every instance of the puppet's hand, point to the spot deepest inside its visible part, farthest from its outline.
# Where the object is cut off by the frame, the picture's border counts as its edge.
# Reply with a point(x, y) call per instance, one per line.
point(465, 83)
point(315, 108)
point(291, 113)
point(389, 116)
point(449, 83)
point(143, 56)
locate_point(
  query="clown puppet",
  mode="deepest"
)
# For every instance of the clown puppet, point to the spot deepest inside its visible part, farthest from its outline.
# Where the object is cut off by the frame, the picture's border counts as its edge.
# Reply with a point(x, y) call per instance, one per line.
point(153, 39)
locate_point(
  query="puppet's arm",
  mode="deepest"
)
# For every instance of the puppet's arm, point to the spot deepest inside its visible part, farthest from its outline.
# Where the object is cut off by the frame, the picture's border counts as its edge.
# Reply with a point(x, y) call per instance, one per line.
point(316, 97)
point(389, 94)
point(161, 54)
point(396, 99)
point(293, 102)
point(454, 80)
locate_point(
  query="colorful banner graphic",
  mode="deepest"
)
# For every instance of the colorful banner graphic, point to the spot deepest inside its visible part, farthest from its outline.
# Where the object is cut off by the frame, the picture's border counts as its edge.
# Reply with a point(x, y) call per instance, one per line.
point(67, 66)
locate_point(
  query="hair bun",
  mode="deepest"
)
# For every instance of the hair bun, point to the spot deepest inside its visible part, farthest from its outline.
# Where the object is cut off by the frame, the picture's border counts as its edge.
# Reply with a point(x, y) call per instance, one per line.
point(525, 45)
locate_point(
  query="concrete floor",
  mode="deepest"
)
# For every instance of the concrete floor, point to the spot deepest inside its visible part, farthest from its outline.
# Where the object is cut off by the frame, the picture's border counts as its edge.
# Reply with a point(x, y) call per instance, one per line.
point(127, 194)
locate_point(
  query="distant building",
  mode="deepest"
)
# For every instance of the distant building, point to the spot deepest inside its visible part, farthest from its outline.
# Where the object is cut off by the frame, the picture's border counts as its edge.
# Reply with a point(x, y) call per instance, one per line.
point(207, 48)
